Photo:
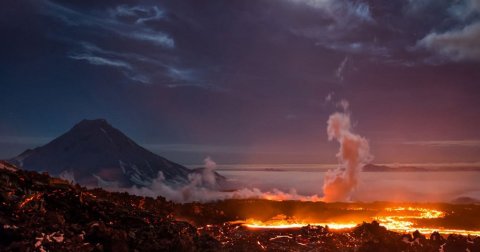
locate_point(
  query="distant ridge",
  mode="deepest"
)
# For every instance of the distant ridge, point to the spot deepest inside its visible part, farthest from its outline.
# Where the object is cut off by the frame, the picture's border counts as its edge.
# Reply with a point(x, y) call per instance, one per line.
point(385, 168)
point(94, 151)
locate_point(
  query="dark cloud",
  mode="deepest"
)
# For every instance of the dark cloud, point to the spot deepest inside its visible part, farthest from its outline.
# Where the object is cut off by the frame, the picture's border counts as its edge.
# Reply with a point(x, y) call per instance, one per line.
point(458, 45)
point(455, 36)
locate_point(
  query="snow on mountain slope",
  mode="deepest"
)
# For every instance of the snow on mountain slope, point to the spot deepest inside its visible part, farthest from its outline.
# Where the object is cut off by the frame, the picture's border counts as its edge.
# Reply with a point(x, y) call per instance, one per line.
point(95, 152)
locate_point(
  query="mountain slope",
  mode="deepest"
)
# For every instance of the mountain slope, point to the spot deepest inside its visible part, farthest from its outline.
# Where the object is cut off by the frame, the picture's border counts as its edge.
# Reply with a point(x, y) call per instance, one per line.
point(94, 151)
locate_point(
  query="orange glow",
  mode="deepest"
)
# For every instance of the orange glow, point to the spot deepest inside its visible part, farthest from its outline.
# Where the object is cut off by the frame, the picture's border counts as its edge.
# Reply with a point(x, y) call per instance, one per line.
point(399, 219)
point(280, 196)
point(141, 204)
point(282, 222)
point(402, 220)
point(89, 195)
point(32, 197)
point(280, 225)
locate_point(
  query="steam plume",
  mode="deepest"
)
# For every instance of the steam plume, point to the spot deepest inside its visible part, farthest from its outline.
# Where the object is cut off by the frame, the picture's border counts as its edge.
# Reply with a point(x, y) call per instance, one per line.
point(353, 154)
point(196, 192)
point(208, 173)
point(203, 187)
point(68, 175)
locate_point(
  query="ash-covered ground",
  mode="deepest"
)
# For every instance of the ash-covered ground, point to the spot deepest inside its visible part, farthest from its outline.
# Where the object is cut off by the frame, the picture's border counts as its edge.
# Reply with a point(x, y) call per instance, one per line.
point(41, 213)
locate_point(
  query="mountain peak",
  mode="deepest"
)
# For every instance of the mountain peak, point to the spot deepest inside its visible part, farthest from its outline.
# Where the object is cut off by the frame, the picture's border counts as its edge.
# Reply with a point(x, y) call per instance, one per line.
point(95, 150)
point(87, 123)
point(96, 133)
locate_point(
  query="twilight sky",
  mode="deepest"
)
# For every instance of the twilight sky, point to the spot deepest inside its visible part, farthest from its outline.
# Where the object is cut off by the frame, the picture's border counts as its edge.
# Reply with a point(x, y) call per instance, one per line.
point(246, 81)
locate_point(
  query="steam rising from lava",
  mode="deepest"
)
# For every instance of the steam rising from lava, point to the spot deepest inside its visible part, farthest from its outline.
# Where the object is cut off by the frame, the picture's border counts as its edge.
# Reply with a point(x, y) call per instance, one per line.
point(203, 187)
point(208, 173)
point(353, 154)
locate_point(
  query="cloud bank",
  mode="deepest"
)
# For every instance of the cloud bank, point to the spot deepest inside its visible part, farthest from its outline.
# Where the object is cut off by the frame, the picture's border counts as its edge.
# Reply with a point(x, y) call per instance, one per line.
point(459, 37)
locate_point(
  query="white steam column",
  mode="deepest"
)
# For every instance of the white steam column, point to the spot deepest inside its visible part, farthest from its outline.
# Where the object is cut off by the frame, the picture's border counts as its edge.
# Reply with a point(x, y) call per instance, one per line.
point(353, 154)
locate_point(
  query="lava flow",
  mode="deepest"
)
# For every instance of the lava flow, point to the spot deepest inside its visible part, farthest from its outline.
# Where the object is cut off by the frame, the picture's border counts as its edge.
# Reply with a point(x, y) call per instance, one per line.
point(399, 219)
point(29, 199)
point(282, 222)
point(402, 219)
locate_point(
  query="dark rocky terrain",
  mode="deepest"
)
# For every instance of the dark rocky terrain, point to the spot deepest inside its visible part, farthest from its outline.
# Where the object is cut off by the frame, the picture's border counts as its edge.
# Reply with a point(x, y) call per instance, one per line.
point(41, 213)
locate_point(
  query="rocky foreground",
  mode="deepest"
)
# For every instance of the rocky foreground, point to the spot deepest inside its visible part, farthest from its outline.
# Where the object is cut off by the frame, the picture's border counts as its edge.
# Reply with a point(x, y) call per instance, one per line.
point(41, 213)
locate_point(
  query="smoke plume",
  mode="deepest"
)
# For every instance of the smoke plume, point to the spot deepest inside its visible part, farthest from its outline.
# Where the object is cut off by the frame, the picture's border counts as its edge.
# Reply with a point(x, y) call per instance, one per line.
point(68, 175)
point(203, 187)
point(196, 192)
point(208, 173)
point(353, 154)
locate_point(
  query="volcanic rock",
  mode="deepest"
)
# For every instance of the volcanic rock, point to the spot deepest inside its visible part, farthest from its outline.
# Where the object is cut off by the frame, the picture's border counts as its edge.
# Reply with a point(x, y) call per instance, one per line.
point(63, 217)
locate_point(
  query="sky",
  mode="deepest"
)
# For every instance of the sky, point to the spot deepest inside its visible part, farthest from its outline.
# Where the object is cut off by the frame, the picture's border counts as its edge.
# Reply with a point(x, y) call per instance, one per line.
point(246, 81)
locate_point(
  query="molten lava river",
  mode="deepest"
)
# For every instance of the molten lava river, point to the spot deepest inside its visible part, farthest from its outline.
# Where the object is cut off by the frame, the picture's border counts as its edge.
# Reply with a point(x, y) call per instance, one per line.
point(256, 225)
point(398, 219)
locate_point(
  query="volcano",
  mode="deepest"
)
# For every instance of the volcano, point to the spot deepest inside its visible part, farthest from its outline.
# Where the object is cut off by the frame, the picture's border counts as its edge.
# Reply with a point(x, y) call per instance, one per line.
point(95, 153)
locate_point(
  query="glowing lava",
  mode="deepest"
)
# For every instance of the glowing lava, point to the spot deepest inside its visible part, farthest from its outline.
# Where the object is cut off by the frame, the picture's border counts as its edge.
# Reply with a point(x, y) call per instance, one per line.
point(32, 197)
point(285, 225)
point(282, 222)
point(399, 219)
point(402, 219)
